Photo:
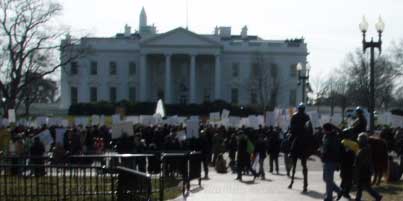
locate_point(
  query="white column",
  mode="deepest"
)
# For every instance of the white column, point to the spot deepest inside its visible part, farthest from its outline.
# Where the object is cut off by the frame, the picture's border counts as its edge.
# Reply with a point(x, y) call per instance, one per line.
point(193, 79)
point(143, 78)
point(167, 94)
point(217, 78)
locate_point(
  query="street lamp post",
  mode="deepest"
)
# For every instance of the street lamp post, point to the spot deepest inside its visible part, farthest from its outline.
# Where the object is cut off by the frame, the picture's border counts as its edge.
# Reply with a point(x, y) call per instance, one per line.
point(303, 77)
point(380, 26)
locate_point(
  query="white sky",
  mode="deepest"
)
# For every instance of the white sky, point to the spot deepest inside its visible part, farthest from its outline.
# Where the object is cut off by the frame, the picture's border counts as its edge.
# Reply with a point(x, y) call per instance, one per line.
point(330, 27)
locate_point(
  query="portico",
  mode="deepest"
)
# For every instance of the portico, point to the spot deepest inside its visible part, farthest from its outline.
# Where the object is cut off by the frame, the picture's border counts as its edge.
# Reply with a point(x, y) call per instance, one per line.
point(181, 77)
point(179, 64)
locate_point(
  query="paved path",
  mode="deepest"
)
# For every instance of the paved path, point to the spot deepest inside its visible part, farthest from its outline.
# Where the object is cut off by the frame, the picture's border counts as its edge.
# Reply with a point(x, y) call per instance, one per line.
point(223, 187)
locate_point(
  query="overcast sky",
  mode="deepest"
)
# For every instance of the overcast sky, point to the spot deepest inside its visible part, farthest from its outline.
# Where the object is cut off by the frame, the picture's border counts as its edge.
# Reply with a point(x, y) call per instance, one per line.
point(329, 27)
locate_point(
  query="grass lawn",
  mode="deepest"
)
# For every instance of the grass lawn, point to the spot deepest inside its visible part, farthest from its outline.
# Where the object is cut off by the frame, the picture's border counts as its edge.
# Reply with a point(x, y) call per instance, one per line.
point(49, 188)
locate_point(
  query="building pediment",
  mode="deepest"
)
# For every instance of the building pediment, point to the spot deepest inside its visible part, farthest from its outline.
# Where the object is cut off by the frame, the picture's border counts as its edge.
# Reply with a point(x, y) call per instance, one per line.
point(180, 38)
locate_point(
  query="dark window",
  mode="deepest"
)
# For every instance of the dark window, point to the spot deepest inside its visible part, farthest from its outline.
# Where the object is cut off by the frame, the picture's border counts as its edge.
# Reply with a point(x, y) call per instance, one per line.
point(94, 68)
point(112, 68)
point(235, 69)
point(74, 95)
point(132, 68)
point(74, 68)
point(234, 96)
point(93, 94)
point(132, 94)
point(293, 70)
point(112, 94)
point(293, 97)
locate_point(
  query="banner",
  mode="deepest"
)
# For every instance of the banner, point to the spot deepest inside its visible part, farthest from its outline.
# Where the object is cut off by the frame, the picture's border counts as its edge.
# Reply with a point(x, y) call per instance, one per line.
point(83, 121)
point(45, 138)
point(133, 119)
point(40, 121)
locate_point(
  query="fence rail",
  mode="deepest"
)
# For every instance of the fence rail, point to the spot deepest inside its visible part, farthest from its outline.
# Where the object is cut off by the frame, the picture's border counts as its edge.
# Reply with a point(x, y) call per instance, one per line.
point(87, 177)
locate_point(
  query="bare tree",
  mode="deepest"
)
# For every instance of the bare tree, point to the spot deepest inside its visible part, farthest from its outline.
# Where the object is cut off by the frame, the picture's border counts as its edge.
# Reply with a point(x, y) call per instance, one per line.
point(264, 81)
point(29, 44)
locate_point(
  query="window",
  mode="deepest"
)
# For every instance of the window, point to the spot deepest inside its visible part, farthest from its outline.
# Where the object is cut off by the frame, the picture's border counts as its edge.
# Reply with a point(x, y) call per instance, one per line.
point(112, 94)
point(293, 97)
point(74, 68)
point(132, 94)
point(112, 68)
point(235, 69)
point(206, 95)
point(234, 96)
point(132, 68)
point(74, 95)
point(93, 94)
point(94, 68)
point(253, 97)
point(293, 70)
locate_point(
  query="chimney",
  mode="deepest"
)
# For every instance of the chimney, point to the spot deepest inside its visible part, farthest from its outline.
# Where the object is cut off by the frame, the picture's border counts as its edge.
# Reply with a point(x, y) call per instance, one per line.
point(244, 32)
point(128, 30)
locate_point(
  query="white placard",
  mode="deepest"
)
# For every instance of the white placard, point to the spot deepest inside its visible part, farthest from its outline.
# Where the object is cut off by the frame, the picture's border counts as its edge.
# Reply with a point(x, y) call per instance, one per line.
point(192, 129)
point(83, 121)
point(234, 121)
point(181, 135)
point(225, 114)
point(11, 116)
point(253, 122)
point(115, 118)
point(120, 128)
point(60, 135)
point(95, 119)
point(214, 117)
point(195, 118)
point(45, 137)
point(270, 119)
point(40, 121)
point(396, 121)
point(102, 120)
point(133, 119)
point(65, 123)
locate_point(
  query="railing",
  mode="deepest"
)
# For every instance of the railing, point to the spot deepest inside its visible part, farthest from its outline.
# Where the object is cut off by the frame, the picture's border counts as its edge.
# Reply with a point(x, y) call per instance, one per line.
point(110, 177)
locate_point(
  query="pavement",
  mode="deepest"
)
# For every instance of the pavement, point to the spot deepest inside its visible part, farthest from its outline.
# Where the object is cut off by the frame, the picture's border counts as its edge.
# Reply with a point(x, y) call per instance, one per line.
point(224, 187)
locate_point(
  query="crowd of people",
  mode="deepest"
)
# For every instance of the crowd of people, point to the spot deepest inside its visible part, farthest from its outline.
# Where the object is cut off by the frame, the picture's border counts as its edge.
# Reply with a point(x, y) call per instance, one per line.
point(247, 148)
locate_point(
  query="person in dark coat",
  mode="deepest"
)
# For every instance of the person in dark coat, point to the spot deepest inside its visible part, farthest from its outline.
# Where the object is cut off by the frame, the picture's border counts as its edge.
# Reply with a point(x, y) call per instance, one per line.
point(232, 147)
point(37, 151)
point(330, 157)
point(364, 169)
point(300, 129)
point(274, 149)
point(359, 125)
point(125, 146)
point(260, 149)
point(205, 149)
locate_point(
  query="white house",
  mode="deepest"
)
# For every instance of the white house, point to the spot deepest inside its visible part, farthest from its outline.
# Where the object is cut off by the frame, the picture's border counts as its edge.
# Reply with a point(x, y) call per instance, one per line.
point(181, 66)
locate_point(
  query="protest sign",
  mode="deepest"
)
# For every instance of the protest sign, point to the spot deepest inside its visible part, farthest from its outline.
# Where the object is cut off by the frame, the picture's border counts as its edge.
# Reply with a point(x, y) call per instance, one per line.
point(214, 117)
point(120, 128)
point(181, 135)
point(115, 118)
point(192, 129)
point(270, 119)
point(11, 116)
point(225, 114)
point(95, 119)
point(60, 135)
point(133, 119)
point(45, 138)
point(396, 121)
point(83, 121)
point(234, 121)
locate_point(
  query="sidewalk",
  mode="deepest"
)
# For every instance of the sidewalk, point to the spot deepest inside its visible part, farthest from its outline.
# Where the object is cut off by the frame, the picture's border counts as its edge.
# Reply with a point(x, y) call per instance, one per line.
point(223, 187)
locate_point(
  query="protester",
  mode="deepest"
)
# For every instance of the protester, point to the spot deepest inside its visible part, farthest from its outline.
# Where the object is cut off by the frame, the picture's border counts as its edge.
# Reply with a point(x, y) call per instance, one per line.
point(330, 158)
point(274, 143)
point(221, 165)
point(364, 169)
point(243, 158)
point(260, 149)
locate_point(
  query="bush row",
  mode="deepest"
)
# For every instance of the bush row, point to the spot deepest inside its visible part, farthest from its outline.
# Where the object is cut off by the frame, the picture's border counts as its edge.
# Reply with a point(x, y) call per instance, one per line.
point(148, 108)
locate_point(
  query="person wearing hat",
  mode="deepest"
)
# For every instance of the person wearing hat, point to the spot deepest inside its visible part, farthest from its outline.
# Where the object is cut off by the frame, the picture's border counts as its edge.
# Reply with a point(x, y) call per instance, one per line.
point(363, 166)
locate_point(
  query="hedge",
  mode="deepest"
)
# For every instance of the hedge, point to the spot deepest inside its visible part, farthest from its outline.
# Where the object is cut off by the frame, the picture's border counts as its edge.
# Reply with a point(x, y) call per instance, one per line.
point(148, 108)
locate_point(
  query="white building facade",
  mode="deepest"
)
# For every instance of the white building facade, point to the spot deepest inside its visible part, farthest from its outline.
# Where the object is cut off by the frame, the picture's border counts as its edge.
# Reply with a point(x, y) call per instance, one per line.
point(180, 66)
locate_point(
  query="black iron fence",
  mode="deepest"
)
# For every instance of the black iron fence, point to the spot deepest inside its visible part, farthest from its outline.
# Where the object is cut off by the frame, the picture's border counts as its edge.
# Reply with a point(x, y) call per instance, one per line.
point(99, 177)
